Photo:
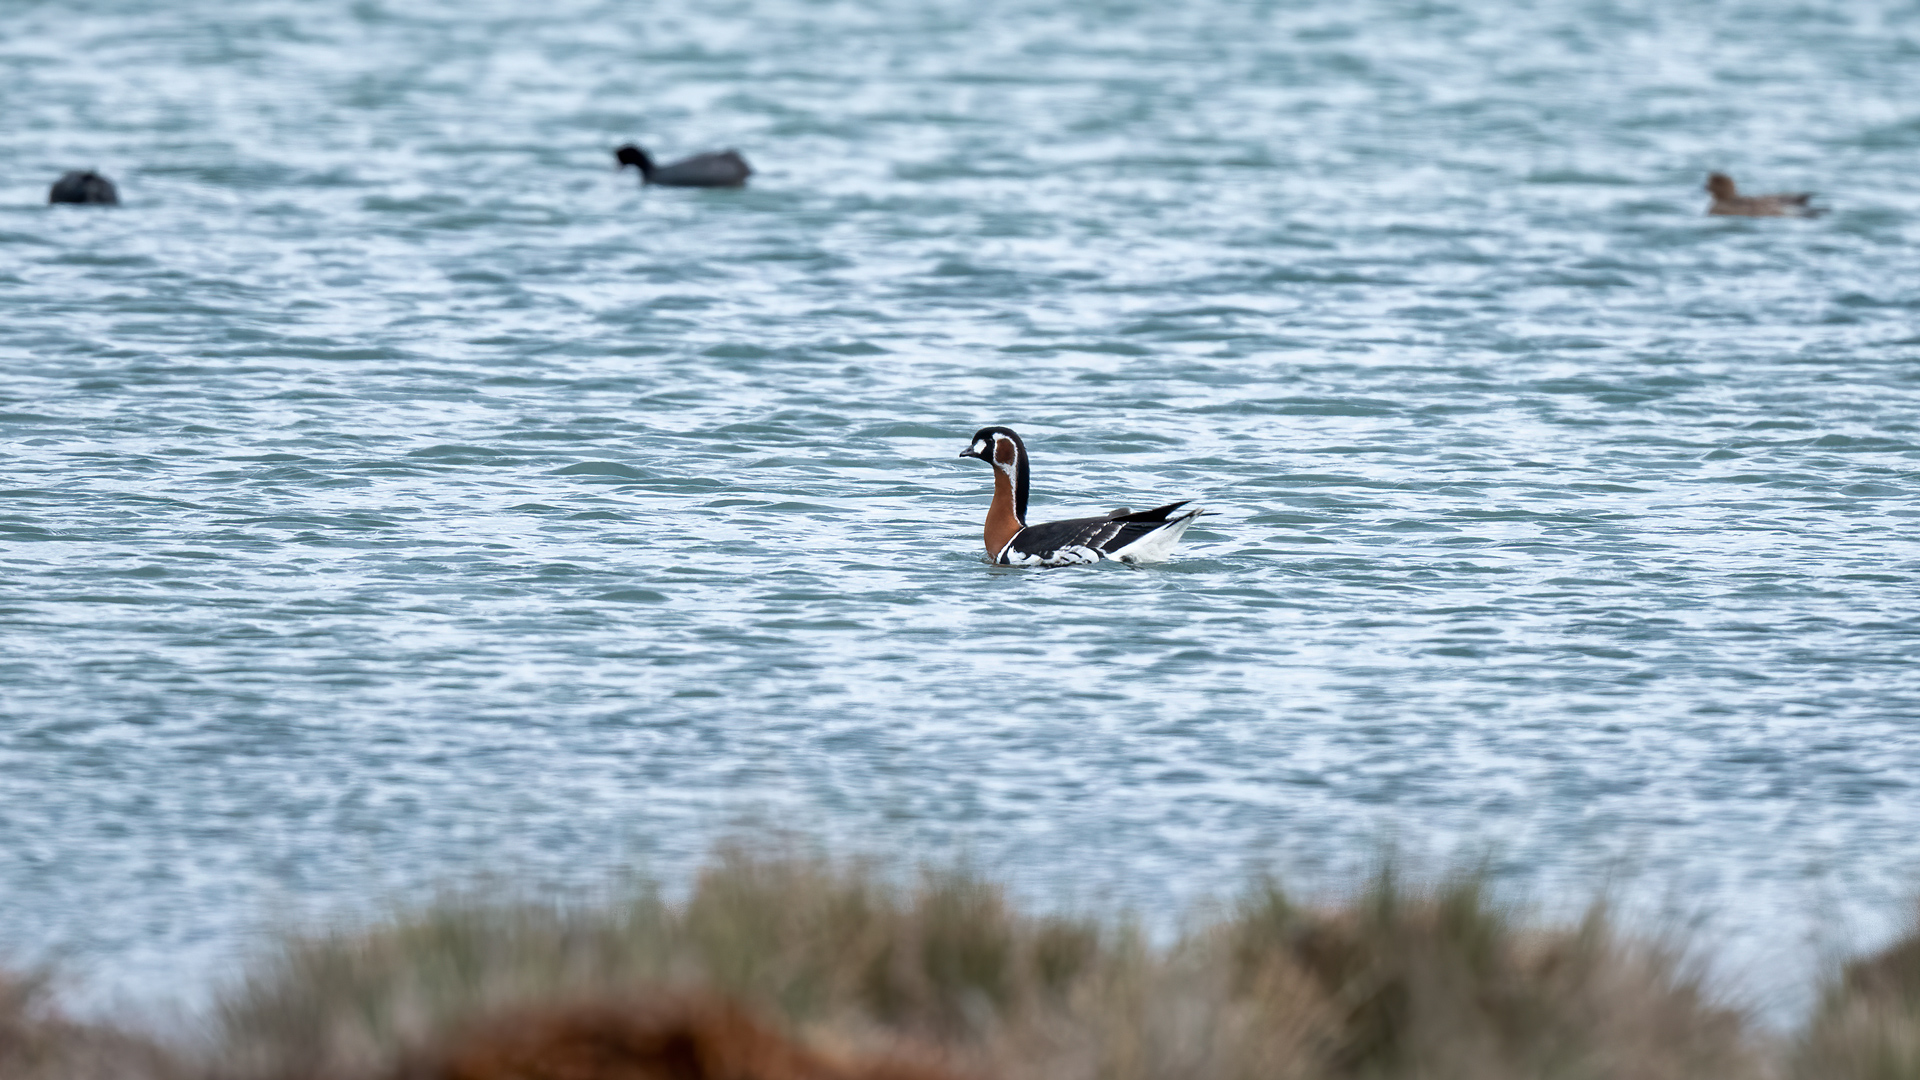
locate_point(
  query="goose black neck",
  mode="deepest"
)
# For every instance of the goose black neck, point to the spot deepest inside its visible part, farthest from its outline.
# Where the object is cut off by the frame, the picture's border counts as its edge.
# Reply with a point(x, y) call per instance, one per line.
point(1020, 481)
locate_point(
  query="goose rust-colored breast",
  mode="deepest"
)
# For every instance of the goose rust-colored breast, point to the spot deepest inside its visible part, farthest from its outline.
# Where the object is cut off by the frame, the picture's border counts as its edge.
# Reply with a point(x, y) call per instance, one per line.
point(1002, 522)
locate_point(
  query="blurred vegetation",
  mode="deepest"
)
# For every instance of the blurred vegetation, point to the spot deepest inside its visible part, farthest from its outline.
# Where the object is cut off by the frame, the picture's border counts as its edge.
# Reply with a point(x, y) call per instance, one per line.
point(1867, 1026)
point(38, 1043)
point(785, 967)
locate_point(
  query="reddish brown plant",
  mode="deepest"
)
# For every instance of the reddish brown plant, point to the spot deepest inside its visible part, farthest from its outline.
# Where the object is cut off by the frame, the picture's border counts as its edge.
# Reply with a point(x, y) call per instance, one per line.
point(674, 1038)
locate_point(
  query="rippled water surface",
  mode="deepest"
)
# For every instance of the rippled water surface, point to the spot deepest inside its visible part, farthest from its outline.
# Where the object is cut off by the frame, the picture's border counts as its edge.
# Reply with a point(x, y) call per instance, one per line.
point(389, 489)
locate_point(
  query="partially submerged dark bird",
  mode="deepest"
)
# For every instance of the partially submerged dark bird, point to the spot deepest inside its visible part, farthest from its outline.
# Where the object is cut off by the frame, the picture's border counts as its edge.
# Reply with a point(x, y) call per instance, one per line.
point(1728, 201)
point(1146, 536)
point(724, 168)
point(84, 187)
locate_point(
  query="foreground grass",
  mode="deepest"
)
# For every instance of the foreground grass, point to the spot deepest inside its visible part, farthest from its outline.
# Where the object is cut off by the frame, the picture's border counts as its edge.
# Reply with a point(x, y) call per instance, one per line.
point(790, 968)
point(38, 1043)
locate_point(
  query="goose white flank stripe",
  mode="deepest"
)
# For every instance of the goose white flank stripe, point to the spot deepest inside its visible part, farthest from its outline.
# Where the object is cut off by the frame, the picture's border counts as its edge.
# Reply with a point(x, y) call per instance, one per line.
point(1146, 536)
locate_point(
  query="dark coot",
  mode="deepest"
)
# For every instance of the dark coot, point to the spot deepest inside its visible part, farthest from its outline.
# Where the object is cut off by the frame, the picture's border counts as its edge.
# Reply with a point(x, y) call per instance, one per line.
point(724, 168)
point(84, 187)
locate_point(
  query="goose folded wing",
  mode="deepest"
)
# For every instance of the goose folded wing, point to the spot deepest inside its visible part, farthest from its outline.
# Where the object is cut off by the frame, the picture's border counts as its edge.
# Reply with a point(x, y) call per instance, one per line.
point(1109, 533)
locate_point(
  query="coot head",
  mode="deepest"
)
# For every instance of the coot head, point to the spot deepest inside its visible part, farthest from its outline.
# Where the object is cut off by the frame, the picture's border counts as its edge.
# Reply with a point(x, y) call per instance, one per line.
point(636, 157)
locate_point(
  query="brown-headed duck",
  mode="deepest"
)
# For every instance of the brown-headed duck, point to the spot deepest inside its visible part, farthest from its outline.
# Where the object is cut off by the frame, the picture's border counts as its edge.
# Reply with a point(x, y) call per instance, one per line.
point(1728, 201)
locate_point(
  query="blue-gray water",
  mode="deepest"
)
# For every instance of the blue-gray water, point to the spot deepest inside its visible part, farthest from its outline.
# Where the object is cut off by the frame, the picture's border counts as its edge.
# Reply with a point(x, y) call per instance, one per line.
point(392, 491)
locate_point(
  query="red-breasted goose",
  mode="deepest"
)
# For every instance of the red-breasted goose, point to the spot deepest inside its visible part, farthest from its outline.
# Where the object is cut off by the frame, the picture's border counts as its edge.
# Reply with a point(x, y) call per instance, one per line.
point(1728, 201)
point(724, 168)
point(1147, 536)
